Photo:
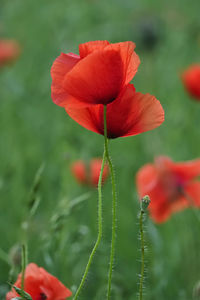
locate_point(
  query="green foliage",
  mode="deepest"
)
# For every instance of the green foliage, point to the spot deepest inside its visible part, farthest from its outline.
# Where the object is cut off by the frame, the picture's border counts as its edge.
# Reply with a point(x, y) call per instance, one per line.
point(24, 295)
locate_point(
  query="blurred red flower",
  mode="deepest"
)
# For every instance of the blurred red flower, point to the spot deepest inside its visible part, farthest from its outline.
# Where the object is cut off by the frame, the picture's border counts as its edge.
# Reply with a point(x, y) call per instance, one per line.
point(171, 186)
point(40, 285)
point(9, 51)
point(101, 75)
point(89, 173)
point(96, 76)
point(191, 80)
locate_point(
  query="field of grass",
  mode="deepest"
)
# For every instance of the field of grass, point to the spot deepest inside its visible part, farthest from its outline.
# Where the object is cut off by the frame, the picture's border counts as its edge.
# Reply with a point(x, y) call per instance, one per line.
point(36, 131)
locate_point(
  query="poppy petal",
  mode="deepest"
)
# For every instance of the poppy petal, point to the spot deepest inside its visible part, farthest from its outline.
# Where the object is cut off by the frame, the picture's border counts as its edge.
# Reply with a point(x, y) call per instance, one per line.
point(79, 171)
point(133, 113)
point(9, 50)
point(96, 79)
point(90, 117)
point(129, 58)
point(193, 192)
point(130, 114)
point(147, 181)
point(191, 80)
point(61, 66)
point(87, 48)
point(187, 170)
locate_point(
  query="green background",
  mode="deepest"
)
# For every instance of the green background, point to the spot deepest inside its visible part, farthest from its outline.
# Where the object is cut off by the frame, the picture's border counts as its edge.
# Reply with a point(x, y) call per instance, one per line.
point(34, 130)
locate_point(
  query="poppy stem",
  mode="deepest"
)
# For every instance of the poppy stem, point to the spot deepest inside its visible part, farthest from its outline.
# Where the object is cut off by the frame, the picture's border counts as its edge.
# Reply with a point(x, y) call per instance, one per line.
point(144, 204)
point(24, 262)
point(142, 256)
point(114, 200)
point(99, 227)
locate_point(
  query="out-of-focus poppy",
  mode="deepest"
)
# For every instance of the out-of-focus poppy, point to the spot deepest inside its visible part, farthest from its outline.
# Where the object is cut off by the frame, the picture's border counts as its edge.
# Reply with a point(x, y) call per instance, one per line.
point(88, 173)
point(96, 76)
point(191, 80)
point(171, 186)
point(9, 51)
point(100, 76)
point(40, 285)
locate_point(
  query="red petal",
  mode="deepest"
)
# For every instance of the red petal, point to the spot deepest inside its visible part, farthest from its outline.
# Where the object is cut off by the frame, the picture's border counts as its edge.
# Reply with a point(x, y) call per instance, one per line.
point(95, 169)
point(187, 170)
point(79, 171)
point(133, 113)
point(129, 59)
point(191, 80)
point(130, 114)
point(61, 66)
point(9, 50)
point(146, 179)
point(11, 295)
point(193, 191)
point(148, 183)
point(97, 78)
point(87, 48)
point(90, 117)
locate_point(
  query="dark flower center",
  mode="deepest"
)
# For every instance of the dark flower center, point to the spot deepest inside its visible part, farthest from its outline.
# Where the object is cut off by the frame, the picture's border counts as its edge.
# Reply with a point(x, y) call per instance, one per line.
point(42, 297)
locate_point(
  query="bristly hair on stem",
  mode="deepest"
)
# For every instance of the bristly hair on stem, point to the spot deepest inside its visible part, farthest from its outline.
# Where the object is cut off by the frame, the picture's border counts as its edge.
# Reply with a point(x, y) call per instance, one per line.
point(99, 236)
point(114, 200)
point(143, 207)
point(24, 263)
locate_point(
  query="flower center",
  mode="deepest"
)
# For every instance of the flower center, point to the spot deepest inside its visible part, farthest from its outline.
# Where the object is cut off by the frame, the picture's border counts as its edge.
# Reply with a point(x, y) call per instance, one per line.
point(42, 297)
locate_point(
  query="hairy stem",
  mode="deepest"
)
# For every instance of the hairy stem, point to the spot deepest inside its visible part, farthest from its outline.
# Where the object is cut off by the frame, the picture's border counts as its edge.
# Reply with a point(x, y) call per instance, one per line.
point(114, 200)
point(24, 262)
point(99, 228)
point(142, 255)
point(144, 204)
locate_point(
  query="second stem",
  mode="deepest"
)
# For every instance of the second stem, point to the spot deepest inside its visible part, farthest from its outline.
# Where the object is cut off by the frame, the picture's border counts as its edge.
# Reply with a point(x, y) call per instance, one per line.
point(114, 200)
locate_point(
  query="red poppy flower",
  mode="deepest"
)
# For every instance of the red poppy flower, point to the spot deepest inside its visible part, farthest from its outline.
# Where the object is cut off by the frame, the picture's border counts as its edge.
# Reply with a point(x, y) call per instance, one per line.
point(40, 285)
point(130, 114)
point(96, 76)
point(101, 75)
point(171, 186)
point(191, 80)
point(89, 173)
point(9, 50)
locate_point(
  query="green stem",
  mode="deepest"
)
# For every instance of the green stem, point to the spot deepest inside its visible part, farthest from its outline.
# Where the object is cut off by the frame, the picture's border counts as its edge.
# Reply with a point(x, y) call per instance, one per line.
point(99, 228)
point(145, 201)
point(114, 199)
point(24, 262)
point(142, 255)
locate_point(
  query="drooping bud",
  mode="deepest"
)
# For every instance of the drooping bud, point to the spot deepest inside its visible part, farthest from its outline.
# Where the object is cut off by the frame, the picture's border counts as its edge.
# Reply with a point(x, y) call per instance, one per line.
point(145, 202)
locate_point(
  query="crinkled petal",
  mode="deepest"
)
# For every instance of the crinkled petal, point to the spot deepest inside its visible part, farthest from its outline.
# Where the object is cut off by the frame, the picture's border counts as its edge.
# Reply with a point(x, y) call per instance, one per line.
point(129, 59)
point(89, 47)
point(96, 79)
point(61, 66)
point(130, 114)
point(90, 117)
point(133, 113)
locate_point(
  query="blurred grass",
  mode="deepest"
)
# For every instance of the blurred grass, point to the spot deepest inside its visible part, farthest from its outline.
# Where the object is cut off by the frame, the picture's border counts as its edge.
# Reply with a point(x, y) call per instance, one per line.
point(34, 130)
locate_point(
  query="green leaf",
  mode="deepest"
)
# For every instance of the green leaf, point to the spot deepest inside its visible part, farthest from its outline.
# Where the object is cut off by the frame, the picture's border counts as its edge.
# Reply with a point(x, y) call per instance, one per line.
point(22, 293)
